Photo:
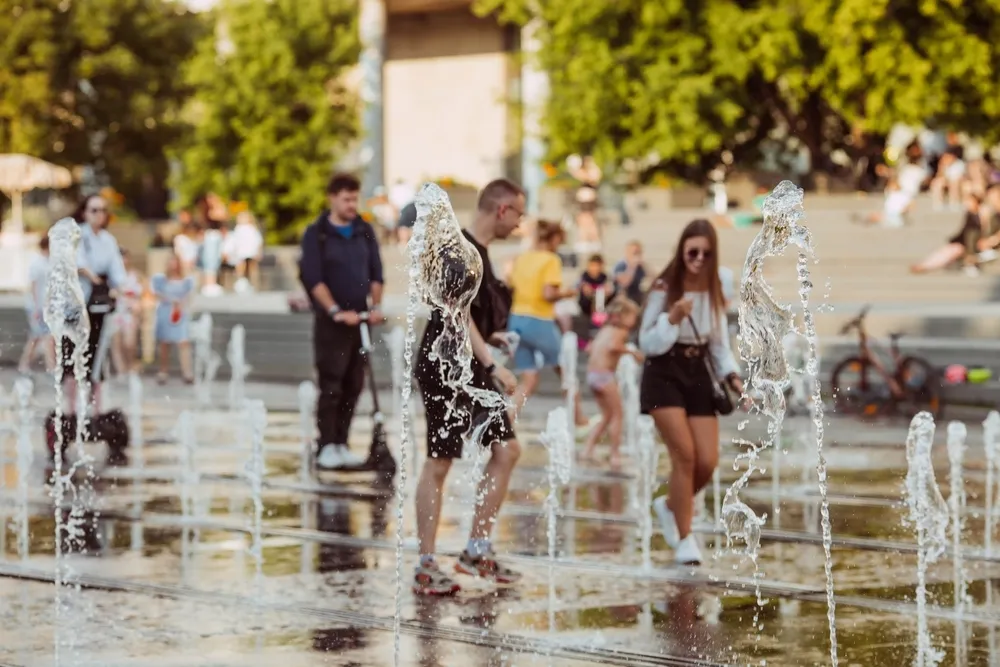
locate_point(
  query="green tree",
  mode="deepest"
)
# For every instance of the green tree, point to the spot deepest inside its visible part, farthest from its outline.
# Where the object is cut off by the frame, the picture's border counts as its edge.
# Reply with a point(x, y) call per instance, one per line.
point(94, 83)
point(270, 114)
point(684, 81)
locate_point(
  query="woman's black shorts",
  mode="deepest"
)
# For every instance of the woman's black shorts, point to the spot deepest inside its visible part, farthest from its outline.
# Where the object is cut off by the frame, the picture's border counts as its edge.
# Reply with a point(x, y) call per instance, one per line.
point(450, 413)
point(678, 379)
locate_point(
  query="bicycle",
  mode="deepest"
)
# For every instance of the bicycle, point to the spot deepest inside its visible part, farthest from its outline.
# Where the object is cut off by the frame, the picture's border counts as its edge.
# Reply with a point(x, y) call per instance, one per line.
point(862, 385)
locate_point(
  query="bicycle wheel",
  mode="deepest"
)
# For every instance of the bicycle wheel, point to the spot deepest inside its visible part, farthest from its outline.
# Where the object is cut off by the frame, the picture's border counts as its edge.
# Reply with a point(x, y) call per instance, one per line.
point(921, 387)
point(857, 387)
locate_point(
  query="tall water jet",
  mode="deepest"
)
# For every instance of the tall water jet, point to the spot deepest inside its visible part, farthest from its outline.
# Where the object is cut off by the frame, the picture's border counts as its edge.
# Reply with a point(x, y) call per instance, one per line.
point(560, 449)
point(396, 342)
point(648, 455)
point(255, 416)
point(445, 272)
point(184, 433)
point(66, 315)
point(138, 455)
point(991, 443)
point(956, 505)
point(307, 403)
point(569, 354)
point(628, 381)
point(23, 389)
point(928, 515)
point(238, 368)
point(764, 325)
point(206, 360)
point(25, 419)
point(135, 420)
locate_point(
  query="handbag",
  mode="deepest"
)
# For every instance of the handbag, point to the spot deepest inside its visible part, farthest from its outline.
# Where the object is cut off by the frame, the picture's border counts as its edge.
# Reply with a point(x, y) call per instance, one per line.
point(722, 398)
point(101, 302)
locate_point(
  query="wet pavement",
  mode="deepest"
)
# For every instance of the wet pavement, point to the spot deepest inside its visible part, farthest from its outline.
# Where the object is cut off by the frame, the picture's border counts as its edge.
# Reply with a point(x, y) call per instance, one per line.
point(160, 586)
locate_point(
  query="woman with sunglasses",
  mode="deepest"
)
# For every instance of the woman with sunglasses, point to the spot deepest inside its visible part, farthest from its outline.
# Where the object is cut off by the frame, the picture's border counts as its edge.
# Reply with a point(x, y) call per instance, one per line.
point(684, 335)
point(102, 271)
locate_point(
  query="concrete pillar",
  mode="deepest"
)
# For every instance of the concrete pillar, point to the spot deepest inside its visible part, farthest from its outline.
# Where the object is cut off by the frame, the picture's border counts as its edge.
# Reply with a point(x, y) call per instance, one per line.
point(534, 92)
point(371, 25)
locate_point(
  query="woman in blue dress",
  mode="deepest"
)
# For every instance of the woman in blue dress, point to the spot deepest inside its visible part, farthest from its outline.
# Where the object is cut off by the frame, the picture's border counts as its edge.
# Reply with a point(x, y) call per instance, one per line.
point(173, 314)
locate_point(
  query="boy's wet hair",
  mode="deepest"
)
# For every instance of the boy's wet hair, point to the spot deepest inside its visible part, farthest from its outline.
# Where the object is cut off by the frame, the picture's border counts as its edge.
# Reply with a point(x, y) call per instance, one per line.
point(622, 305)
point(598, 258)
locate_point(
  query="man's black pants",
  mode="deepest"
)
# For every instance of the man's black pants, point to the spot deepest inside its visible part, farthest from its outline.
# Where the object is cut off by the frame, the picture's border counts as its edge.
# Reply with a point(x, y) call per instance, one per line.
point(341, 371)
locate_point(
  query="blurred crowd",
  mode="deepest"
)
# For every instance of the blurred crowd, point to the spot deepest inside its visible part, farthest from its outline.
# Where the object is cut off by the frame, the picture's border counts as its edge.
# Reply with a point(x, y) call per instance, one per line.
point(214, 248)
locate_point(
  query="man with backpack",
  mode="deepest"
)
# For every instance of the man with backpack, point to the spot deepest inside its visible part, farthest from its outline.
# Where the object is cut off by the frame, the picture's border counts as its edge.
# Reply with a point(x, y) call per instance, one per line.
point(341, 270)
point(452, 415)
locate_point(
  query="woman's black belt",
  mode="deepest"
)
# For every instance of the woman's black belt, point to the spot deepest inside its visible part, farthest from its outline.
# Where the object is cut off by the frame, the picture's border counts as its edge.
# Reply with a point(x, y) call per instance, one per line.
point(687, 351)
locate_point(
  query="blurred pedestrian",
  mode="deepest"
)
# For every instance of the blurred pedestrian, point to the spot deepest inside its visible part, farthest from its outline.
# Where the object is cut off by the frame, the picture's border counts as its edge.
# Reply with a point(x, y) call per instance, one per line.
point(341, 270)
point(630, 273)
point(173, 291)
point(684, 336)
point(39, 336)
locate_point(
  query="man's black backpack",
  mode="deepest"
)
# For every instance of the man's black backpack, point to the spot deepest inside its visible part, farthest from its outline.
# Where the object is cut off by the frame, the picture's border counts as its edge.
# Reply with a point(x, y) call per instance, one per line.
point(322, 234)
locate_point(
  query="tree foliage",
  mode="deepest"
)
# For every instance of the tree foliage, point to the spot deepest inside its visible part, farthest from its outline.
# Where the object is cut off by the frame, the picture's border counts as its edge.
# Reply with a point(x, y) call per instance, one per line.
point(94, 82)
point(269, 112)
point(684, 80)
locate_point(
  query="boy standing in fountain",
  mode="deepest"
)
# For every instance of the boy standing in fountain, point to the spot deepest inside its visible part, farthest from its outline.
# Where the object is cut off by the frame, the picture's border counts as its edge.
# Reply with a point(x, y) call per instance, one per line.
point(498, 213)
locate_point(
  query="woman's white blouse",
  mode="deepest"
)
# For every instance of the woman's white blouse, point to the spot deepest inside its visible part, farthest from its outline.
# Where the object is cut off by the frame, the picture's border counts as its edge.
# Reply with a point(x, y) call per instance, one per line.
point(99, 253)
point(657, 335)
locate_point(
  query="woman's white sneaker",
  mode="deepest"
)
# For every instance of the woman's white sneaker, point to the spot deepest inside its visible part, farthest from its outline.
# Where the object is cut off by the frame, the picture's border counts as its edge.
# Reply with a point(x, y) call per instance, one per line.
point(667, 522)
point(687, 552)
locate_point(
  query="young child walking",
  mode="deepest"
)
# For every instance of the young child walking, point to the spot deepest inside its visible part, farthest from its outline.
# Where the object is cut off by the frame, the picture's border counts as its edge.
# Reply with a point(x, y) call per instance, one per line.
point(607, 348)
point(173, 312)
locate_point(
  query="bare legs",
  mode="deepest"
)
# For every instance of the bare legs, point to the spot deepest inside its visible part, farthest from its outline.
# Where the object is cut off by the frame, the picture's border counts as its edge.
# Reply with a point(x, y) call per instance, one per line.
point(184, 353)
point(428, 501)
point(124, 348)
point(609, 400)
point(940, 258)
point(493, 487)
point(48, 347)
point(492, 490)
point(693, 445)
point(529, 385)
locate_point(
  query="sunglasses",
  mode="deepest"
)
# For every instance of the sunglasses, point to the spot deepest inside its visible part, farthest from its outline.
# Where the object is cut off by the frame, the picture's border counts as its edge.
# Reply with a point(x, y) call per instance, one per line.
point(698, 253)
point(97, 210)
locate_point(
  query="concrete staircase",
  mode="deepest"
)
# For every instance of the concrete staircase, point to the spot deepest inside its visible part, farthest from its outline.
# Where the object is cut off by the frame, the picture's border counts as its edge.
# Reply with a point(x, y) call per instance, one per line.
point(856, 265)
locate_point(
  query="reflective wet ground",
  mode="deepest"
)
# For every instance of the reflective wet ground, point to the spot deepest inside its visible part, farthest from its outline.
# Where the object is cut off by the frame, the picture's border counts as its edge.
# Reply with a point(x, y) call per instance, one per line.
point(158, 586)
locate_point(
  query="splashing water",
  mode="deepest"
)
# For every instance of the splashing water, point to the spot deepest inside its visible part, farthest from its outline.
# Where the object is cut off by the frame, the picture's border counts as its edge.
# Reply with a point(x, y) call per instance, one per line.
point(560, 450)
point(991, 443)
point(628, 379)
point(238, 368)
point(569, 353)
point(23, 389)
point(206, 360)
point(649, 455)
point(928, 515)
point(255, 415)
point(764, 326)
point(184, 432)
point(66, 315)
point(307, 403)
point(445, 271)
point(956, 505)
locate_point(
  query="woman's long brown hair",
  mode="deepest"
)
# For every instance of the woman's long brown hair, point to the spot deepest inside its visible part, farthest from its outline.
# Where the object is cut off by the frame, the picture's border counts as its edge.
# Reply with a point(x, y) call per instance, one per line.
point(672, 277)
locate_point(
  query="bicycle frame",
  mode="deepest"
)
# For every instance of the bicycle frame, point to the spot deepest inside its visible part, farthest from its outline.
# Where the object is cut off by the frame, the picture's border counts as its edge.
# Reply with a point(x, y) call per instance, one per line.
point(865, 352)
